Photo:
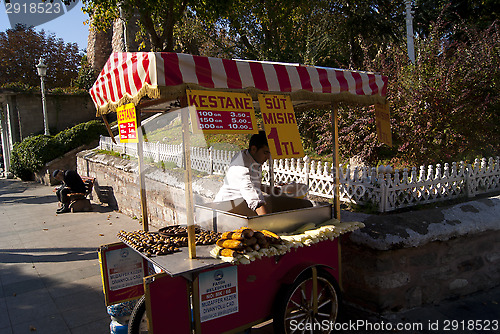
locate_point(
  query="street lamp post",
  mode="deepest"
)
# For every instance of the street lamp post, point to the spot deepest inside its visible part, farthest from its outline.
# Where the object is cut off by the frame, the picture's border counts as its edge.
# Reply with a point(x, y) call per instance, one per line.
point(42, 71)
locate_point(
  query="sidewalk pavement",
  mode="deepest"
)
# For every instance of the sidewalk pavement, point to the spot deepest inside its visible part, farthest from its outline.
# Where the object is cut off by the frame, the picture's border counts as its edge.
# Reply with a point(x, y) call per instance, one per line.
point(50, 277)
point(49, 272)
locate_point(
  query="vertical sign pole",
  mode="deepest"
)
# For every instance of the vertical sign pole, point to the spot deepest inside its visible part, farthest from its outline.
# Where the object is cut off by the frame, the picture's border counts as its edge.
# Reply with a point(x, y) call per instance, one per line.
point(186, 145)
point(142, 178)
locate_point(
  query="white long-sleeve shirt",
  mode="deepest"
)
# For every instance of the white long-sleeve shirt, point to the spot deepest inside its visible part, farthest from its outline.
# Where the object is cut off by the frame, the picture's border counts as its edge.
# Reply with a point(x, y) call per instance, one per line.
point(243, 180)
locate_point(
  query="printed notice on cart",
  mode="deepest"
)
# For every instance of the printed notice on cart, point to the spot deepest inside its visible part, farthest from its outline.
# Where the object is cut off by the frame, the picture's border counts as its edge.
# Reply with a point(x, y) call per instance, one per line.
point(222, 112)
point(127, 123)
point(281, 126)
point(124, 268)
point(218, 293)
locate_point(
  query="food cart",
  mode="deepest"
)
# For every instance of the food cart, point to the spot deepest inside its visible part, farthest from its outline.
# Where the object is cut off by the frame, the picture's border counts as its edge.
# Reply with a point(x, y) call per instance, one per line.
point(297, 281)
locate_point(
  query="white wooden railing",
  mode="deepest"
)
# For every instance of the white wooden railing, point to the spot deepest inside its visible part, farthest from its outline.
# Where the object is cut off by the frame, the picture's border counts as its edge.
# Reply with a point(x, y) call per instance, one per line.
point(387, 191)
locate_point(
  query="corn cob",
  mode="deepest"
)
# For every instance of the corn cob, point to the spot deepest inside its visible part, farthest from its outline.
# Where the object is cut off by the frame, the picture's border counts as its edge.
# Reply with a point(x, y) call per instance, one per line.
point(230, 243)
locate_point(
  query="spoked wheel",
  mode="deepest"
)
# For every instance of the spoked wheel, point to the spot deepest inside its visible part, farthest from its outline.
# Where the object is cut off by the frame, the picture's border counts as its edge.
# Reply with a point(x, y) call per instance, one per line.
point(299, 312)
point(138, 323)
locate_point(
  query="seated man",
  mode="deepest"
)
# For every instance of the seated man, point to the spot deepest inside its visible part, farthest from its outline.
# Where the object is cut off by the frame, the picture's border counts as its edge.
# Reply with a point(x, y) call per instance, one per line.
point(244, 177)
point(71, 183)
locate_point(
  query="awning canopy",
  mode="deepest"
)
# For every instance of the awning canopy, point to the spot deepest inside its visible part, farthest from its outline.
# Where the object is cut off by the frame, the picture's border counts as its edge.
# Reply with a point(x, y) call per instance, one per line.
point(128, 77)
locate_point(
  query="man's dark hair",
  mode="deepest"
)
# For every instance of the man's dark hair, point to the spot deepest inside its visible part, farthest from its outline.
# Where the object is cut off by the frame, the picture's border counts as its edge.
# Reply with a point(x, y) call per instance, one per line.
point(259, 140)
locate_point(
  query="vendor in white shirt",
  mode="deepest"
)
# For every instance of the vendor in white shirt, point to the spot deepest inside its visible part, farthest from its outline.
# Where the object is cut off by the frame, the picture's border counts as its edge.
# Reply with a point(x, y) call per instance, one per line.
point(244, 177)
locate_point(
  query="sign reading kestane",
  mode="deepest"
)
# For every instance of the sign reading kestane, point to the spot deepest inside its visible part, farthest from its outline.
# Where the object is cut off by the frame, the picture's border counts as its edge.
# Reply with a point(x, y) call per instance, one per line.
point(222, 112)
point(127, 123)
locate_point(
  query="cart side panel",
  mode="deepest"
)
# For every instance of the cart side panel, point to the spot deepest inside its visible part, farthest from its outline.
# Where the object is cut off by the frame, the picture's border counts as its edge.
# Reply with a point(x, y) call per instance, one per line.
point(256, 290)
point(167, 305)
point(260, 282)
point(323, 254)
point(120, 264)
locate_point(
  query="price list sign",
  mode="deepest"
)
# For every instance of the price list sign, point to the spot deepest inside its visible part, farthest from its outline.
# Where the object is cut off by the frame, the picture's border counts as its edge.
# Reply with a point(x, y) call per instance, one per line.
point(281, 126)
point(222, 112)
point(127, 123)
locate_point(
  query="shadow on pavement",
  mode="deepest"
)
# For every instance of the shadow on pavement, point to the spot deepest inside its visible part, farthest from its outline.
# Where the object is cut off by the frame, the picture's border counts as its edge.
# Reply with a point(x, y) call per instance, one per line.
point(28, 199)
point(22, 255)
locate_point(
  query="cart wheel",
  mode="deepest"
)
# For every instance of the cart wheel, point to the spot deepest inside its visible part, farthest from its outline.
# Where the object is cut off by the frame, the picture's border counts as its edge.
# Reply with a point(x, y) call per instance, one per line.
point(138, 323)
point(294, 312)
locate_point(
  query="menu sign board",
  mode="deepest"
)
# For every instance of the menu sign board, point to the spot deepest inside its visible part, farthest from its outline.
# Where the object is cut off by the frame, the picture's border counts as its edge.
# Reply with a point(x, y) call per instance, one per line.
point(281, 126)
point(127, 123)
point(222, 112)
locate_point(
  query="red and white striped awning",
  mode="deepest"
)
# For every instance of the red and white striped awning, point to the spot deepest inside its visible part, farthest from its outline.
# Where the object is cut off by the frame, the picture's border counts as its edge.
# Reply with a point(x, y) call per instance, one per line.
point(127, 77)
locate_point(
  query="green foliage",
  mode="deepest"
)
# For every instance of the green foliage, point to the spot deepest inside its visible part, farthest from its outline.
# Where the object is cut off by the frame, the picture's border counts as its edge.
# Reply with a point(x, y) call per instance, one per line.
point(20, 50)
point(157, 20)
point(81, 134)
point(318, 32)
point(445, 107)
point(30, 155)
point(86, 75)
point(20, 87)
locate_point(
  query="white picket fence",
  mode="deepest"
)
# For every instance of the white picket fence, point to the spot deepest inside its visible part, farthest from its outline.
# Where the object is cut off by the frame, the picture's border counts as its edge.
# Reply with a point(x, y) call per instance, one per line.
point(369, 185)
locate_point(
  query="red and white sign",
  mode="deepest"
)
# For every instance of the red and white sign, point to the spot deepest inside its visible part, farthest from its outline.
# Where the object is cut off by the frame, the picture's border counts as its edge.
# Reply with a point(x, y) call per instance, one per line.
point(221, 112)
point(127, 123)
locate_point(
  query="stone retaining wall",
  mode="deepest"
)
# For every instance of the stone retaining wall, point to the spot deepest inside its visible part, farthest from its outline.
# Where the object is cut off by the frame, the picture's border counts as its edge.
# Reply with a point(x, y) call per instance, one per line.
point(392, 280)
point(117, 184)
point(397, 262)
point(405, 260)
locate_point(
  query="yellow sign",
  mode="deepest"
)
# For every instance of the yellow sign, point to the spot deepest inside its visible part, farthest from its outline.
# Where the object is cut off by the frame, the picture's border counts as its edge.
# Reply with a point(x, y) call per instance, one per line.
point(383, 121)
point(127, 123)
point(281, 126)
point(222, 112)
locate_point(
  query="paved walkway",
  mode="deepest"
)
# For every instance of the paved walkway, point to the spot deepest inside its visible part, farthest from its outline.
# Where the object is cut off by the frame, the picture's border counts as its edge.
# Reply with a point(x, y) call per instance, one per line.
point(50, 277)
point(49, 272)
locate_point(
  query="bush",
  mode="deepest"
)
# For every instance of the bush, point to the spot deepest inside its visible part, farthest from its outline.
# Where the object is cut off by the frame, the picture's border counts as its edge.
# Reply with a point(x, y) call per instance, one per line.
point(30, 155)
point(80, 134)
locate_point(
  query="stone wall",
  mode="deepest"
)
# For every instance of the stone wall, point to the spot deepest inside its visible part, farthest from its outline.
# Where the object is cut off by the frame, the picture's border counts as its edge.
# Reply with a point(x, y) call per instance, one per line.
point(65, 162)
point(98, 48)
point(117, 184)
point(63, 111)
point(101, 44)
point(392, 280)
point(398, 261)
point(405, 260)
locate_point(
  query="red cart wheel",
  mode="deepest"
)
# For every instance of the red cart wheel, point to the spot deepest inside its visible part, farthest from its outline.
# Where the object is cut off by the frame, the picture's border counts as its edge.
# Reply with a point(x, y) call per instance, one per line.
point(297, 312)
point(138, 322)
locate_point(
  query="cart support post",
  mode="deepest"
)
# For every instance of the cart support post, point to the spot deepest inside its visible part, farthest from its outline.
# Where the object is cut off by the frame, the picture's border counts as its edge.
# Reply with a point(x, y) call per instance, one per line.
point(142, 177)
point(336, 162)
point(336, 159)
point(315, 289)
point(195, 295)
point(188, 183)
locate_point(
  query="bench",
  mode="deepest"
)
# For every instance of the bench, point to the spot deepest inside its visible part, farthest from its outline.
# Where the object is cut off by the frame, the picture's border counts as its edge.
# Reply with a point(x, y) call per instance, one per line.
point(78, 201)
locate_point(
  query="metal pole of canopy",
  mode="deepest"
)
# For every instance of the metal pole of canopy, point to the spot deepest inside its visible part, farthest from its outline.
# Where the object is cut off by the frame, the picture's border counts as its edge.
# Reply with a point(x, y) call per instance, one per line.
point(142, 178)
point(336, 160)
point(186, 145)
point(105, 119)
point(336, 169)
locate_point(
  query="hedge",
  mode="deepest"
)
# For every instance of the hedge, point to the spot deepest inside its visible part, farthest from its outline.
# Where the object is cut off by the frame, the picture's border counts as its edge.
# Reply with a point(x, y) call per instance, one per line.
point(30, 155)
